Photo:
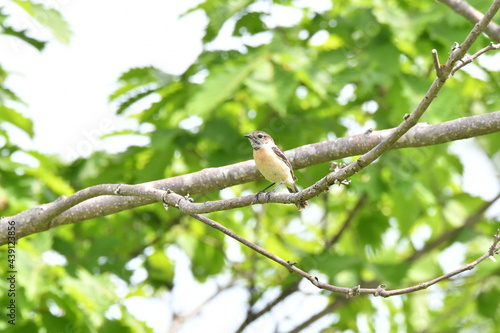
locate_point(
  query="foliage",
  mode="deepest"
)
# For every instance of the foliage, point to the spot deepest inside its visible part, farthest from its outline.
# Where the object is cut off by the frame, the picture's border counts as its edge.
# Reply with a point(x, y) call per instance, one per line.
point(334, 72)
point(24, 186)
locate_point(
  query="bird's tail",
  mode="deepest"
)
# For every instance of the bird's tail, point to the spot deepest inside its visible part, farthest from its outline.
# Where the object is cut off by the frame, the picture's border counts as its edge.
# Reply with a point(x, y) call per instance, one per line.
point(301, 204)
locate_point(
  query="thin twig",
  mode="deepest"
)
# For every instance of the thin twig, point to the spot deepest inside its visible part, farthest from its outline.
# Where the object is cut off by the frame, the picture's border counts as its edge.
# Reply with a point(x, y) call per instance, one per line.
point(471, 58)
point(328, 309)
point(357, 290)
point(437, 64)
point(471, 220)
point(251, 316)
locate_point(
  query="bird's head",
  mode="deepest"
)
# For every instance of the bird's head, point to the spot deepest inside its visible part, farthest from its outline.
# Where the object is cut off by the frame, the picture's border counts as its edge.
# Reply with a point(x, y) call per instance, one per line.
point(259, 138)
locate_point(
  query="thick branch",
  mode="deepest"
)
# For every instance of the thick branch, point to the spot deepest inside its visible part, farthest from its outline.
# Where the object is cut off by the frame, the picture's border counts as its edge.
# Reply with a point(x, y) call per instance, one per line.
point(104, 200)
point(38, 218)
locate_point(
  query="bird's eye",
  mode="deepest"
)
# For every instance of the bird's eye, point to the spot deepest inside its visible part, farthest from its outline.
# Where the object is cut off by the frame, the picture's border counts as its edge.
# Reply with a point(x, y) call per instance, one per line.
point(260, 136)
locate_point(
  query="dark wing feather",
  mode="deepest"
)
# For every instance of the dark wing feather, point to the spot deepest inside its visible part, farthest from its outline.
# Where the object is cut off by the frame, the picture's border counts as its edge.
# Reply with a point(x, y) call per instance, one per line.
point(282, 156)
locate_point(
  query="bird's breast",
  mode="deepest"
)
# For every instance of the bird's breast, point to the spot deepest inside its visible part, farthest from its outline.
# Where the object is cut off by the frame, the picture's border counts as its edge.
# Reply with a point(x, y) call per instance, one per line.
point(271, 166)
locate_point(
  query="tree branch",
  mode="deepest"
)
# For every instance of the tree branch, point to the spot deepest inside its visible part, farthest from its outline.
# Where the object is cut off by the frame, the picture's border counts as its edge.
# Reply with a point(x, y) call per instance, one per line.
point(471, 220)
point(471, 58)
point(357, 290)
point(463, 62)
point(103, 199)
point(251, 316)
point(473, 15)
point(457, 52)
point(479, 27)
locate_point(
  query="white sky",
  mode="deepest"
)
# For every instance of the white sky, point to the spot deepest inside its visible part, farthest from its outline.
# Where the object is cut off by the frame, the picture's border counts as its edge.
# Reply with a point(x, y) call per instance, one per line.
point(67, 88)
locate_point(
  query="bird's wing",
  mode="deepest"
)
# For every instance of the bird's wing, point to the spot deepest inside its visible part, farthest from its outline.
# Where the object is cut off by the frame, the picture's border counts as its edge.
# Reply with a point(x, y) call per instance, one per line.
point(282, 157)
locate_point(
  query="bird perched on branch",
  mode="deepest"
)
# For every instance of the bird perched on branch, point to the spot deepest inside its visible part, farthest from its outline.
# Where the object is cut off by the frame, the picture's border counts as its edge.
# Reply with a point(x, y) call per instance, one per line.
point(273, 164)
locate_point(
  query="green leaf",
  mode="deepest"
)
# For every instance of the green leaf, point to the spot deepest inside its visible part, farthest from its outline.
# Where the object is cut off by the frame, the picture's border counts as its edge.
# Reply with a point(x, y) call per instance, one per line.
point(487, 302)
point(220, 85)
point(391, 274)
point(53, 323)
point(160, 269)
point(3, 76)
point(56, 183)
point(143, 75)
point(218, 13)
point(330, 264)
point(131, 326)
point(17, 119)
point(272, 84)
point(83, 290)
point(22, 34)
point(370, 226)
point(138, 83)
point(163, 148)
point(134, 78)
point(400, 23)
point(222, 137)
point(49, 18)
point(249, 23)
point(7, 94)
point(208, 256)
point(133, 99)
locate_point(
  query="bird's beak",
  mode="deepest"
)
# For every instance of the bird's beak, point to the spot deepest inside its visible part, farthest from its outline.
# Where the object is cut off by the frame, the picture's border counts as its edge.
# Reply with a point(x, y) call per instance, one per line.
point(247, 136)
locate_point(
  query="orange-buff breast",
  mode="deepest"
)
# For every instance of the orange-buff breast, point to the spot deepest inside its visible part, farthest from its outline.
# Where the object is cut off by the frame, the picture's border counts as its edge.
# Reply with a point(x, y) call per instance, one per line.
point(271, 166)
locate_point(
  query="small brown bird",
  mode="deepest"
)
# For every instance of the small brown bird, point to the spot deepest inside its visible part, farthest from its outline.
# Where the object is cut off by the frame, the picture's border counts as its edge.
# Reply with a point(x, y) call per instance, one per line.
point(273, 164)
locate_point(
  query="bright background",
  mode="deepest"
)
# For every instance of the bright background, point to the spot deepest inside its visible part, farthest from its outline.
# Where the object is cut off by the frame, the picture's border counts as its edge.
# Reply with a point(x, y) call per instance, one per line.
point(106, 42)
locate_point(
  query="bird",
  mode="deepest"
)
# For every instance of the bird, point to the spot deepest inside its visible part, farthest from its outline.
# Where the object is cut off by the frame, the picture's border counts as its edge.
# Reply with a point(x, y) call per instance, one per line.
point(273, 164)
